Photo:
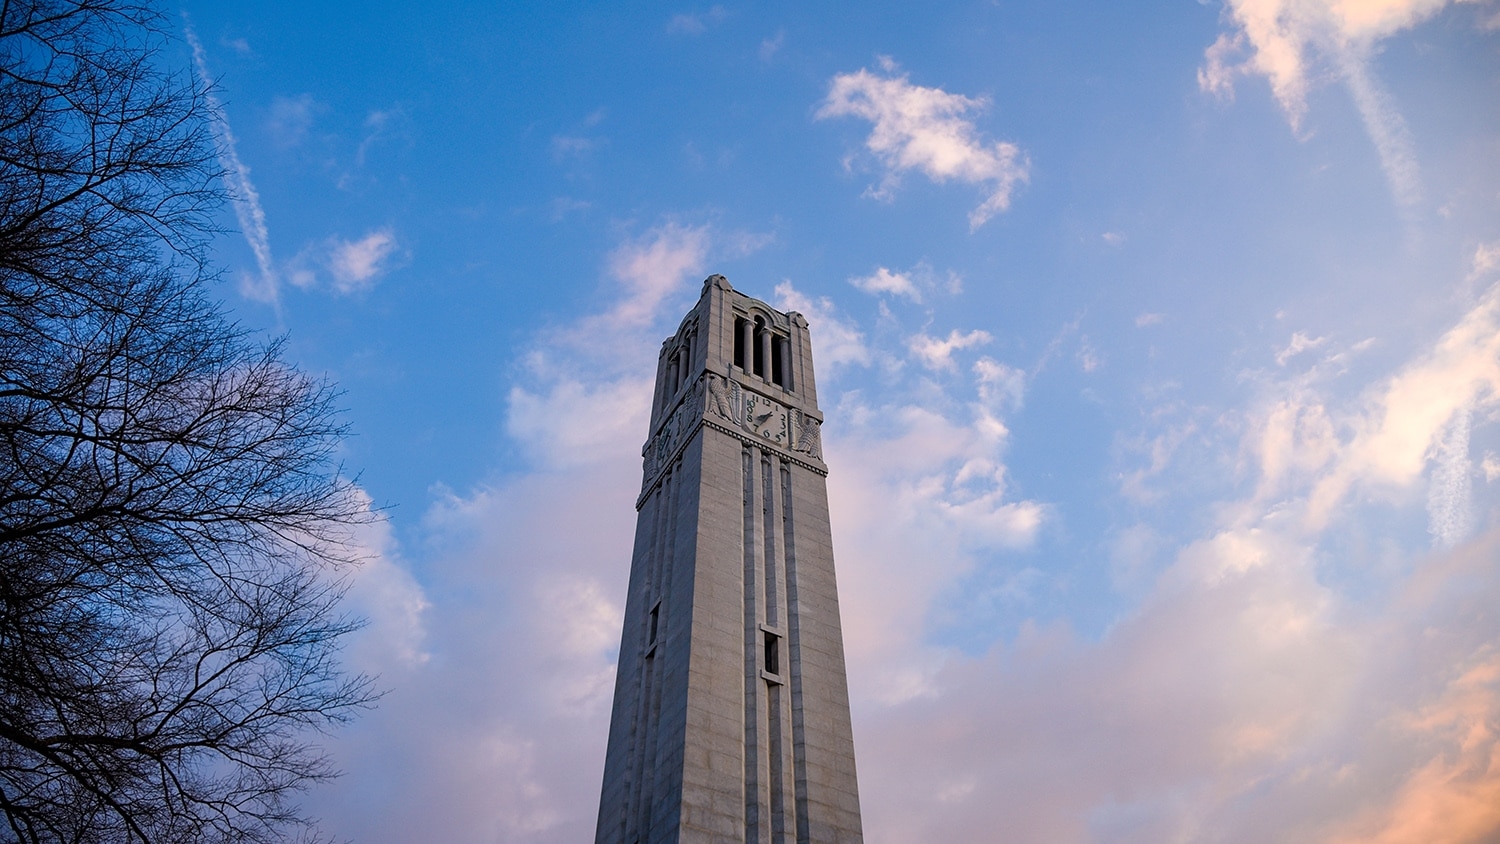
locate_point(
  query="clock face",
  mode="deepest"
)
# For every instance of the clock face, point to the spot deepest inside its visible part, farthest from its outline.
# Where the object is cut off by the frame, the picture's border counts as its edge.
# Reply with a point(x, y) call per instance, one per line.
point(766, 418)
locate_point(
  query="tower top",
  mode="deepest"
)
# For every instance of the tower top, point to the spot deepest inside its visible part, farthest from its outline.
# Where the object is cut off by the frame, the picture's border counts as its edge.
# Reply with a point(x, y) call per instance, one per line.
point(741, 367)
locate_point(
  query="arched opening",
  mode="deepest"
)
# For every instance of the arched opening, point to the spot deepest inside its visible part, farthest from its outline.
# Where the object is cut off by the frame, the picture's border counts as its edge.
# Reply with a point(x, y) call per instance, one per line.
point(741, 341)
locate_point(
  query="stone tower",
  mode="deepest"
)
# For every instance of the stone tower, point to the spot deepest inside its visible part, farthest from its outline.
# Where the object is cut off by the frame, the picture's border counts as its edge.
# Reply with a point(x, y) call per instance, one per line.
point(731, 712)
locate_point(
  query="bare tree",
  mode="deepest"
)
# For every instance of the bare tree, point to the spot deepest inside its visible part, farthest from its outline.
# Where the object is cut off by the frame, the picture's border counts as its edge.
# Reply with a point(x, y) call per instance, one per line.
point(172, 517)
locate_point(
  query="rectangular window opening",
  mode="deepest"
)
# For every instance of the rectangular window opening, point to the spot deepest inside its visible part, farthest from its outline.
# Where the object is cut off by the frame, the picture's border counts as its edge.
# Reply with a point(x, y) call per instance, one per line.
point(739, 343)
point(773, 663)
point(776, 363)
point(655, 611)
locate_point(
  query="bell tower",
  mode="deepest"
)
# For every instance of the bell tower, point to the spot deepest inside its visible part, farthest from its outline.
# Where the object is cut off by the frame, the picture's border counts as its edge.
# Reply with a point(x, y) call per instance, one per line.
point(731, 709)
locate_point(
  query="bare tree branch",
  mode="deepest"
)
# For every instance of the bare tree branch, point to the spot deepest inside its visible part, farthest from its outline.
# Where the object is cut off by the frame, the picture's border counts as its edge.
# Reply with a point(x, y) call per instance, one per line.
point(172, 518)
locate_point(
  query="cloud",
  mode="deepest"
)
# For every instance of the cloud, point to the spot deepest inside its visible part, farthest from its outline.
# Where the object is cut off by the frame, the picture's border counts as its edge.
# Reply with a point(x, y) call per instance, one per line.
point(1000, 386)
point(384, 592)
point(919, 498)
point(1449, 508)
point(574, 422)
point(290, 119)
point(1299, 343)
point(498, 734)
point(1088, 357)
point(1397, 426)
point(1238, 704)
point(562, 206)
point(696, 23)
point(1486, 258)
point(927, 130)
point(355, 264)
point(585, 393)
point(655, 265)
point(1454, 795)
point(378, 125)
point(568, 146)
point(938, 354)
point(1287, 39)
point(239, 45)
point(885, 281)
point(1249, 695)
point(835, 341)
point(266, 286)
point(769, 47)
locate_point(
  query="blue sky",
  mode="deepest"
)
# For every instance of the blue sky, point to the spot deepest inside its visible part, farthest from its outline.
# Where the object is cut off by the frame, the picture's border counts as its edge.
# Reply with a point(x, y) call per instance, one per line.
point(1159, 346)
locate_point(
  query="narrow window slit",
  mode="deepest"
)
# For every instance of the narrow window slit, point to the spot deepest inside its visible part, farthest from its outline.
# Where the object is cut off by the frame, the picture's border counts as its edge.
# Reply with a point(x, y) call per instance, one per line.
point(740, 326)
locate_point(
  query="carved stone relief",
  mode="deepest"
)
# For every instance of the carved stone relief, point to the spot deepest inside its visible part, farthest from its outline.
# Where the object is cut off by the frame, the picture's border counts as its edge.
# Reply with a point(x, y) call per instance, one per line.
point(765, 419)
point(660, 448)
point(809, 436)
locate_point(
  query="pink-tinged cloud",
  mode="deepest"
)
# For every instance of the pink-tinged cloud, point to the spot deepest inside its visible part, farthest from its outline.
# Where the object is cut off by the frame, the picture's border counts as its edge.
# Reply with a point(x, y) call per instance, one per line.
point(1293, 42)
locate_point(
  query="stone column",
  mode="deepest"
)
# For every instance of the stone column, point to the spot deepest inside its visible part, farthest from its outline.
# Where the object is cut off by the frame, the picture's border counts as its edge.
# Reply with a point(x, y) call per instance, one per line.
point(747, 339)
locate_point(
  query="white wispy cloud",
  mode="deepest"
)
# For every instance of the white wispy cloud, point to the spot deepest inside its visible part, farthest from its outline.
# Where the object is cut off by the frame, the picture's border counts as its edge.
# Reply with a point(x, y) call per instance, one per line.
point(696, 23)
point(1450, 508)
point(1486, 258)
point(266, 285)
point(572, 146)
point(769, 47)
point(836, 342)
point(342, 265)
point(562, 206)
point(1001, 386)
point(379, 123)
point(1299, 343)
point(938, 354)
point(1490, 466)
point(1396, 427)
point(885, 281)
point(571, 421)
point(655, 265)
point(919, 496)
point(239, 45)
point(356, 263)
point(586, 393)
point(930, 131)
point(290, 119)
point(1290, 41)
point(385, 593)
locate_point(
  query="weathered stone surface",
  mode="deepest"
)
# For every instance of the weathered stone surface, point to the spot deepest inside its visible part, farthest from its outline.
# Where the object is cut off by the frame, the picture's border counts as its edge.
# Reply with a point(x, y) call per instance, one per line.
point(732, 567)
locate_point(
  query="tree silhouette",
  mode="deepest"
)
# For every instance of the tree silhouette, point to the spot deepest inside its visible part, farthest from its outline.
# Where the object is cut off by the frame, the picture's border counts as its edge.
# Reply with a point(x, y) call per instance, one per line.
point(172, 518)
